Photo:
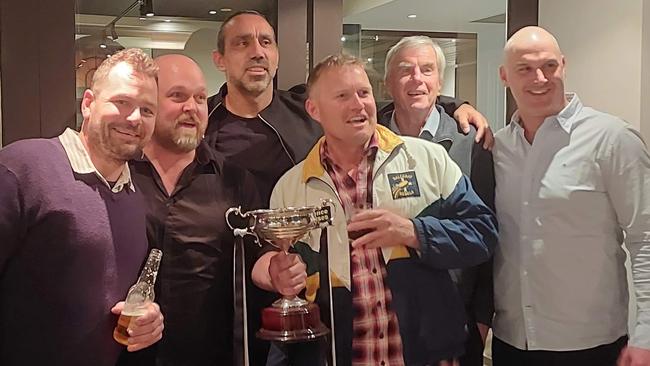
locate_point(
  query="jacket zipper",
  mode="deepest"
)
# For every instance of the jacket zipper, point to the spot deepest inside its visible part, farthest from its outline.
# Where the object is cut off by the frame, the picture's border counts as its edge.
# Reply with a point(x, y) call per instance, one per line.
point(268, 124)
point(279, 138)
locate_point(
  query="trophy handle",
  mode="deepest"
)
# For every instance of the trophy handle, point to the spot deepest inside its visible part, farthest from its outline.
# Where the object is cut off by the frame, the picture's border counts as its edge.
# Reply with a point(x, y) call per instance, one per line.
point(327, 203)
point(238, 231)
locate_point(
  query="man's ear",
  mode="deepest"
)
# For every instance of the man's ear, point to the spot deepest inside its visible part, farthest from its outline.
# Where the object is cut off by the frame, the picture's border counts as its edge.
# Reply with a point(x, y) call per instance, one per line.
point(312, 109)
point(217, 59)
point(503, 76)
point(86, 103)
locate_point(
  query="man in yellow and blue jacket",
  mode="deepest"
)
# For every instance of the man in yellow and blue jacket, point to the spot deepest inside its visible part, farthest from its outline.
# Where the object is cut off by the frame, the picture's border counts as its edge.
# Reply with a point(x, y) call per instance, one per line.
point(387, 296)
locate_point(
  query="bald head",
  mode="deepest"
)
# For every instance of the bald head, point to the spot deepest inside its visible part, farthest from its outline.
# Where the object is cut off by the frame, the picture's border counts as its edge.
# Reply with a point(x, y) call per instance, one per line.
point(531, 38)
point(176, 64)
point(533, 69)
point(182, 103)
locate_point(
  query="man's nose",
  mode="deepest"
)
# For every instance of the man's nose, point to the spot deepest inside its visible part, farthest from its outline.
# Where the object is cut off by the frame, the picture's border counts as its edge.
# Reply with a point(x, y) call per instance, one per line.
point(257, 51)
point(356, 102)
point(190, 105)
point(416, 74)
point(539, 76)
point(135, 117)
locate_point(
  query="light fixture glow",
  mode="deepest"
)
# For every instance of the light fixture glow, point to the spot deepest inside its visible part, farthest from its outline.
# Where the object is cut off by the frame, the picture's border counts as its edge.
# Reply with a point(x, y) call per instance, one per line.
point(213, 12)
point(369, 59)
point(343, 39)
point(225, 10)
point(411, 16)
point(167, 20)
point(101, 45)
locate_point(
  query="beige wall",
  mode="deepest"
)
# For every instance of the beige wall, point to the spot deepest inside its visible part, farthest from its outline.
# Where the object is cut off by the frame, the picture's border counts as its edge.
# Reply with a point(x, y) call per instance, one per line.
point(607, 47)
point(605, 43)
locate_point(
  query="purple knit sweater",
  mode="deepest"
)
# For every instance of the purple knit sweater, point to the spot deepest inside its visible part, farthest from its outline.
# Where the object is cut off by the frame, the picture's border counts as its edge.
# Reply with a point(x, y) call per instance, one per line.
point(69, 250)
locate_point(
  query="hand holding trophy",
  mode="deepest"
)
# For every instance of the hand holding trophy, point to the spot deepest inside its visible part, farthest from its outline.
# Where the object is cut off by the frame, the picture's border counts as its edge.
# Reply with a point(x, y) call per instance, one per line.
point(290, 318)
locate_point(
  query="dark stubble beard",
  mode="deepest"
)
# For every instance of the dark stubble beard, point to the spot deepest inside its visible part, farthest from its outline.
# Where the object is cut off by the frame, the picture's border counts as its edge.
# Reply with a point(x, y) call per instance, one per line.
point(253, 87)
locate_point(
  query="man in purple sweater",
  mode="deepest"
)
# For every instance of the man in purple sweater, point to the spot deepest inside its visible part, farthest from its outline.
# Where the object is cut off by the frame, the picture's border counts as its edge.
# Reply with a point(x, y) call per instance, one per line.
point(72, 227)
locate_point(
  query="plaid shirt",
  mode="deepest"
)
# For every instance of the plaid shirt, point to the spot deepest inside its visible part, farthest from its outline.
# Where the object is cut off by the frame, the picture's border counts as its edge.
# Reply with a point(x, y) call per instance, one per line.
point(376, 339)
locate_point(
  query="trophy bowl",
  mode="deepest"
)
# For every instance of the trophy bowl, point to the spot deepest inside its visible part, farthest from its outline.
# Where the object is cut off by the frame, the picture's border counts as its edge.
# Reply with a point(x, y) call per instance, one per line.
point(290, 318)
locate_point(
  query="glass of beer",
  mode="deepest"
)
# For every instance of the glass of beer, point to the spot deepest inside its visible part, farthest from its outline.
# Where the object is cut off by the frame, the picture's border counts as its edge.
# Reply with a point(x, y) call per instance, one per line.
point(350, 212)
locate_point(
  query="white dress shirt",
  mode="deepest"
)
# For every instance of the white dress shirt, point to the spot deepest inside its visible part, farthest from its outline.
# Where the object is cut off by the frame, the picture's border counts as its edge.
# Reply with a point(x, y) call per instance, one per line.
point(565, 204)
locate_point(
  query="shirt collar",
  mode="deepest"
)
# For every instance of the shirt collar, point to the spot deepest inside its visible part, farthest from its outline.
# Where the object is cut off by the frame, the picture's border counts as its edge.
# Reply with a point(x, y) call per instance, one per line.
point(564, 118)
point(431, 125)
point(387, 141)
point(81, 163)
point(325, 158)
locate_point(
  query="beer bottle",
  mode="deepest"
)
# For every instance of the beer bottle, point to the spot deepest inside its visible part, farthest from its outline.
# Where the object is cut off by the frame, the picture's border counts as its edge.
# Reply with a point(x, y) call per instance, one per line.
point(139, 294)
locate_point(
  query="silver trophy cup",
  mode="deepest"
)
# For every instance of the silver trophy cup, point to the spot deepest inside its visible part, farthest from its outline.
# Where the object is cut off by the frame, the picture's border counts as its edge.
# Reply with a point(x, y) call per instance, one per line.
point(290, 318)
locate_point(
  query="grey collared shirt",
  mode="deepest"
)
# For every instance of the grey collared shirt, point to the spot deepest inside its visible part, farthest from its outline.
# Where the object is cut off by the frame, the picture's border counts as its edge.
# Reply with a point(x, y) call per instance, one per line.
point(81, 163)
point(431, 125)
point(565, 204)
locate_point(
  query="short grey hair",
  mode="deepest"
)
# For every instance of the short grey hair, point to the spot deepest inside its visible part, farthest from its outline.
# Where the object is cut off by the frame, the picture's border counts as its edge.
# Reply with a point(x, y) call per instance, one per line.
point(416, 42)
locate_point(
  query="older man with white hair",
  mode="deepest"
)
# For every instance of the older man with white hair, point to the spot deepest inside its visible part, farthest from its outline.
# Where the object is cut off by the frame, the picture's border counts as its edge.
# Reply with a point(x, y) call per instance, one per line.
point(415, 67)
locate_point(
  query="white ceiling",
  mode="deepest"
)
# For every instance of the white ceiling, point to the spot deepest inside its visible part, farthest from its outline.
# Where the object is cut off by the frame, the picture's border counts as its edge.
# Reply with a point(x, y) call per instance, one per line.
point(431, 14)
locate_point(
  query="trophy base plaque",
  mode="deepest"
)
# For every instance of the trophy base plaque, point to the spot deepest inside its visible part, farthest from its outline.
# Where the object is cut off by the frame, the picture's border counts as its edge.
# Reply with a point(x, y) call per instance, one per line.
point(291, 320)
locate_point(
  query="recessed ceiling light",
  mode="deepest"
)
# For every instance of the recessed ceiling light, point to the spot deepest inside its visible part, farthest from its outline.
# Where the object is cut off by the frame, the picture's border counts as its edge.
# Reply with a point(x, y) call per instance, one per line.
point(225, 10)
point(213, 12)
point(101, 45)
point(143, 18)
point(376, 37)
point(369, 59)
point(167, 20)
point(411, 16)
point(343, 39)
point(150, 14)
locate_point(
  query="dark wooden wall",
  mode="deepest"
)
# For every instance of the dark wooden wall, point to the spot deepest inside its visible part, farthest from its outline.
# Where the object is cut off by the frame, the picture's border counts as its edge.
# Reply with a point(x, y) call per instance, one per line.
point(37, 67)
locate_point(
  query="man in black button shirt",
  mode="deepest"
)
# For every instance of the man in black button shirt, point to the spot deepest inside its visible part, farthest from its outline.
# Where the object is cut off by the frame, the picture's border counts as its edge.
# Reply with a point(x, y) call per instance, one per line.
point(188, 189)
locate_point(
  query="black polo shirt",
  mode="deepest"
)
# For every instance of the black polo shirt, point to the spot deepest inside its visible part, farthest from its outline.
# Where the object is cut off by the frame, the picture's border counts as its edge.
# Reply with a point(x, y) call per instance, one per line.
point(195, 281)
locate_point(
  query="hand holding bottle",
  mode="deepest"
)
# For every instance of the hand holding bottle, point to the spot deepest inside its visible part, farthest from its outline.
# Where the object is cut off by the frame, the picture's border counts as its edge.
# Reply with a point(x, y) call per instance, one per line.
point(145, 329)
point(140, 323)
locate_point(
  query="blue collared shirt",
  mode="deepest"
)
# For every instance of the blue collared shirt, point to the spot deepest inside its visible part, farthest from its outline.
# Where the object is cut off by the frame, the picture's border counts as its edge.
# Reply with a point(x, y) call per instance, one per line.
point(431, 125)
point(565, 204)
